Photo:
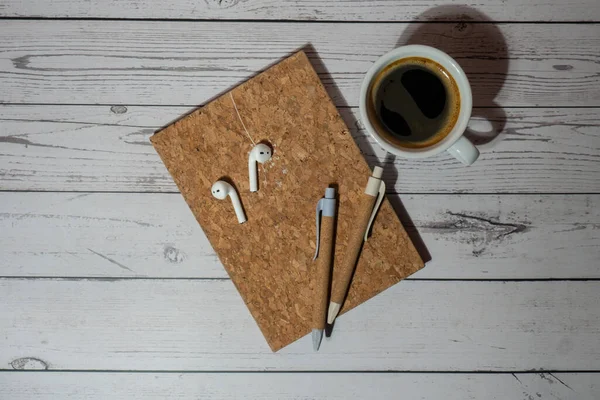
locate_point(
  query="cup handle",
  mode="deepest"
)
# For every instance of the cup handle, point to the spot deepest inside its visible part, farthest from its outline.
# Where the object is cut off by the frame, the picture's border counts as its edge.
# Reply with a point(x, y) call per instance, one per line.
point(464, 151)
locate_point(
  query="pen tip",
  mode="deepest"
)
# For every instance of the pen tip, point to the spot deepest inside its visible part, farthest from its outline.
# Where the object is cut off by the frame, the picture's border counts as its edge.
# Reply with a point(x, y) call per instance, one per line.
point(334, 309)
point(317, 336)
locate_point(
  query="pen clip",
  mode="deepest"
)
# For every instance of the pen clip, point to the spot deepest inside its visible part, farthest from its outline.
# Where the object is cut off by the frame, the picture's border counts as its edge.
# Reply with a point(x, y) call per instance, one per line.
point(380, 195)
point(318, 211)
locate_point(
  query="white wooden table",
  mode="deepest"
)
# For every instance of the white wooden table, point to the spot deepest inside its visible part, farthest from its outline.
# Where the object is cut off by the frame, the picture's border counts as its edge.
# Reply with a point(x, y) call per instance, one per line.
point(109, 289)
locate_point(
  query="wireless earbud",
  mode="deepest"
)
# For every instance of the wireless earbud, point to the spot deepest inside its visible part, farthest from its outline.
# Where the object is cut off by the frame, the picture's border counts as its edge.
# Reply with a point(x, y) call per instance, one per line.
point(260, 153)
point(221, 190)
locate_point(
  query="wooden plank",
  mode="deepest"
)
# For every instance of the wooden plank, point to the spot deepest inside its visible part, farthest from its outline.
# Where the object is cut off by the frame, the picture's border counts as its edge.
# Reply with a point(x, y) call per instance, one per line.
point(102, 148)
point(155, 235)
point(204, 325)
point(379, 10)
point(187, 63)
point(293, 386)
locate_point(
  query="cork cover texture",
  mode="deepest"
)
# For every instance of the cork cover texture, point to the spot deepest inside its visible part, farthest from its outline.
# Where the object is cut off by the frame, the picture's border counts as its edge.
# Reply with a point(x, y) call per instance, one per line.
point(269, 258)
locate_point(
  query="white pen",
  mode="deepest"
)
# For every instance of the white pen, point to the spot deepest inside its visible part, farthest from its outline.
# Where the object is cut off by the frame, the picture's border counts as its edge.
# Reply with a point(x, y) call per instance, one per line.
point(369, 204)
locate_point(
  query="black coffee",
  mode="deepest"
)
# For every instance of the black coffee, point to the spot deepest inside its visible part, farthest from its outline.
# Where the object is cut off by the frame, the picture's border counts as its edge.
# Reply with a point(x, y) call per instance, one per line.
point(416, 101)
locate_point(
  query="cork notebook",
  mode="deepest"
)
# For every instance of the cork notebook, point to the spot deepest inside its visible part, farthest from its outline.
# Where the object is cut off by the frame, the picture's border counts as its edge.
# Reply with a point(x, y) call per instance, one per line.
point(269, 258)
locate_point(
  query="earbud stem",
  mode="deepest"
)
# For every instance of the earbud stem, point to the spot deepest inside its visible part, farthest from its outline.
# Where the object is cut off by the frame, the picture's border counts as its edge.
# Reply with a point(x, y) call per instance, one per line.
point(253, 173)
point(237, 206)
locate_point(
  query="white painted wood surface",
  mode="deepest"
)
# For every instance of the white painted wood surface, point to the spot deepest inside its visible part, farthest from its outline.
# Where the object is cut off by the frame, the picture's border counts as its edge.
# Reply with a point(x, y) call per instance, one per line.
point(95, 286)
point(203, 325)
point(187, 63)
point(294, 386)
point(467, 236)
point(336, 10)
point(103, 148)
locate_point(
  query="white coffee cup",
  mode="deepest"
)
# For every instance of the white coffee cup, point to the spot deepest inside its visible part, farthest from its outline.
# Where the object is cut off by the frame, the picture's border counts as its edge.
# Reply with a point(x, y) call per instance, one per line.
point(454, 142)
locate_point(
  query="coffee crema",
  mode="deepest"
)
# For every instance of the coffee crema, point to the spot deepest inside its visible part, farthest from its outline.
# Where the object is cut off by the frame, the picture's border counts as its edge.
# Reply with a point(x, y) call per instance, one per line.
point(414, 102)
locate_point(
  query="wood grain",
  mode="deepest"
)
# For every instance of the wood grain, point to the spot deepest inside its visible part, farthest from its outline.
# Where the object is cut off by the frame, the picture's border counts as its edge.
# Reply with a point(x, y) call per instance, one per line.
point(181, 325)
point(294, 386)
point(155, 235)
point(306, 10)
point(187, 63)
point(103, 148)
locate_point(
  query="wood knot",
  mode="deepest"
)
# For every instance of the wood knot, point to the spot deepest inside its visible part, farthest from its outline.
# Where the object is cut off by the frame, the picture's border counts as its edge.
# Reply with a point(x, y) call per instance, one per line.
point(221, 3)
point(462, 29)
point(562, 67)
point(118, 109)
point(29, 363)
point(173, 255)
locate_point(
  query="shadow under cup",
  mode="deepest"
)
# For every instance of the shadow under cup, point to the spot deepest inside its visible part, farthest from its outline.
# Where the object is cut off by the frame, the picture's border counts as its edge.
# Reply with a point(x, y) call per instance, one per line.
point(413, 102)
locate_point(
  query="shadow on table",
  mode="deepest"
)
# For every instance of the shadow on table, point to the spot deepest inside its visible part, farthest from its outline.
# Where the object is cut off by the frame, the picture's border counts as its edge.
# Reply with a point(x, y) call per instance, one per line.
point(480, 49)
point(411, 230)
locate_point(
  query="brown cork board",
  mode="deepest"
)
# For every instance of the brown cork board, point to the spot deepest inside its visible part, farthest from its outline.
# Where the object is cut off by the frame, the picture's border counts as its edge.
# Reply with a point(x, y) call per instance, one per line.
point(269, 258)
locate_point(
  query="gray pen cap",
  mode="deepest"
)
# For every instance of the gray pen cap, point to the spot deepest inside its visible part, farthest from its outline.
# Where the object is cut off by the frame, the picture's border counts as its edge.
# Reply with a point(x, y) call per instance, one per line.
point(328, 205)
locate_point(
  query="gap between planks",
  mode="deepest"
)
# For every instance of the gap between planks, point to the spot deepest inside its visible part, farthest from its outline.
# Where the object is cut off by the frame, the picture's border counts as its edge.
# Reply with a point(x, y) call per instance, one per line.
point(298, 21)
point(291, 371)
point(410, 278)
point(194, 106)
point(306, 10)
